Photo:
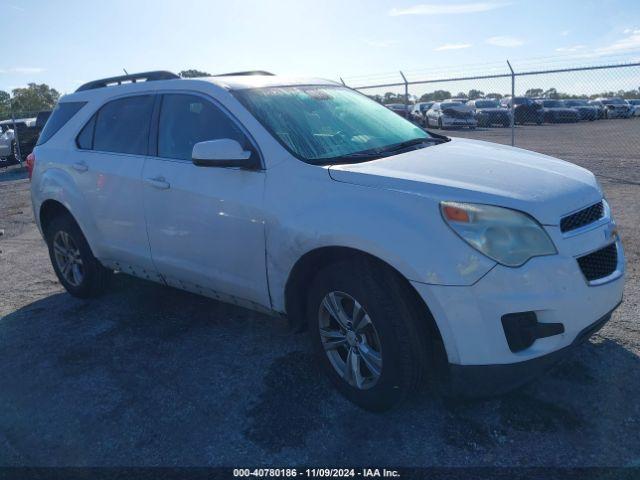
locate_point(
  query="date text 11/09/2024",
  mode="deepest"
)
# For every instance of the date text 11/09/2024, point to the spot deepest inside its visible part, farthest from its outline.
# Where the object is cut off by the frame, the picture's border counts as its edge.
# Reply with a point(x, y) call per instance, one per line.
point(316, 472)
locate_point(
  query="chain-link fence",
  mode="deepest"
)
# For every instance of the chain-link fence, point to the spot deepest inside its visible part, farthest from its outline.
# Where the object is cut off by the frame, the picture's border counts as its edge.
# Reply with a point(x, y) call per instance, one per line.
point(585, 114)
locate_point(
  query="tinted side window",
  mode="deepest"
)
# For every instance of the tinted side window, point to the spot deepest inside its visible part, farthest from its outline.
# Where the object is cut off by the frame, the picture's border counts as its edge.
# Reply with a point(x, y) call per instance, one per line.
point(85, 137)
point(60, 115)
point(122, 125)
point(188, 119)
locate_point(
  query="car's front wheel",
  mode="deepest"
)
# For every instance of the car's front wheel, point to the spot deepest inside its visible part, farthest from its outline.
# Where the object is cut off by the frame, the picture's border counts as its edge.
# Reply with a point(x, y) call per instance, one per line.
point(79, 272)
point(368, 333)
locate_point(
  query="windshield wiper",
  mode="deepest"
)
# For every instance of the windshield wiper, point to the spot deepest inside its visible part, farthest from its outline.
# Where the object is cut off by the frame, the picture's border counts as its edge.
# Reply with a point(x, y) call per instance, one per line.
point(411, 143)
point(376, 153)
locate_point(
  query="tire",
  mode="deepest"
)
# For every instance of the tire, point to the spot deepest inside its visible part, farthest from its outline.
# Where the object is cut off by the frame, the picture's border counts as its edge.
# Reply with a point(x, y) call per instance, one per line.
point(13, 157)
point(14, 152)
point(86, 276)
point(395, 331)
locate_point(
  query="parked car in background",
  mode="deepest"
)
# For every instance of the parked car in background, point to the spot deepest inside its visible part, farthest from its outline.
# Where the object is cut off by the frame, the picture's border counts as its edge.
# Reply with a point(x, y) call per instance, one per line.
point(22, 128)
point(555, 111)
point(635, 104)
point(525, 110)
point(585, 111)
point(449, 114)
point(41, 119)
point(403, 253)
point(400, 108)
point(419, 112)
point(489, 112)
point(602, 110)
point(616, 107)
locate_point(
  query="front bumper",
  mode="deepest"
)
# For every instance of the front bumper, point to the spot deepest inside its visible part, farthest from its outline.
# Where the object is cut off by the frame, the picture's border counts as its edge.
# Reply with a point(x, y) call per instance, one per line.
point(493, 118)
point(554, 287)
point(618, 113)
point(458, 122)
point(486, 380)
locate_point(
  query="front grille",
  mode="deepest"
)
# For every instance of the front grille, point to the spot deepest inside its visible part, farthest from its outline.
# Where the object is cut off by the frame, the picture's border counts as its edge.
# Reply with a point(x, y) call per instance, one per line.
point(457, 114)
point(600, 263)
point(583, 217)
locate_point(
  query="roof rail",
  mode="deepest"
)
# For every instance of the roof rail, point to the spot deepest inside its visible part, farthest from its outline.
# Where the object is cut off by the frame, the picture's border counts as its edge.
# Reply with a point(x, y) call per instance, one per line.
point(133, 78)
point(248, 72)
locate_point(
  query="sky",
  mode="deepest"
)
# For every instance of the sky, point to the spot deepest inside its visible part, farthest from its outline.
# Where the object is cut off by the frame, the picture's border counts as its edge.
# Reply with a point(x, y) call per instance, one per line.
point(66, 43)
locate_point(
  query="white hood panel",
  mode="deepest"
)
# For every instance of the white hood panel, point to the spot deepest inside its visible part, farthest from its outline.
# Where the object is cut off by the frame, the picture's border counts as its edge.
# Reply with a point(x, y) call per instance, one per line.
point(481, 172)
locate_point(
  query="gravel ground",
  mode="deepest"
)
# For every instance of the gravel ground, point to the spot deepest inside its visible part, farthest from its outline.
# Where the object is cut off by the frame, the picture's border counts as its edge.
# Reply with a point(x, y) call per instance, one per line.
point(148, 375)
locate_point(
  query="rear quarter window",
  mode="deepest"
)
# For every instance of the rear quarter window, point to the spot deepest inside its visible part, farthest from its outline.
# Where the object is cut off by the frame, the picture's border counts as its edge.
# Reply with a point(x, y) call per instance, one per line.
point(59, 117)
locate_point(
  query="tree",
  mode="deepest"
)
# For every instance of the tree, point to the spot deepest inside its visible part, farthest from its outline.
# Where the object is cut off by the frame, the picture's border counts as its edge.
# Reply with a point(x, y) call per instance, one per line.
point(390, 97)
point(34, 98)
point(497, 96)
point(534, 92)
point(4, 104)
point(473, 94)
point(551, 93)
point(461, 95)
point(436, 96)
point(193, 73)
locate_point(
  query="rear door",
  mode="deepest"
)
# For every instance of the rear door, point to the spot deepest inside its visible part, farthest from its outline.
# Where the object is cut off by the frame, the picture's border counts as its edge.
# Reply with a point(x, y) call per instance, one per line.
point(206, 225)
point(108, 168)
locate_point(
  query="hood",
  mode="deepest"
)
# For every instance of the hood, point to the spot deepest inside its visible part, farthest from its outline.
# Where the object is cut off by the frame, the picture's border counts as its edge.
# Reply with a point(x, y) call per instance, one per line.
point(492, 110)
point(459, 108)
point(481, 172)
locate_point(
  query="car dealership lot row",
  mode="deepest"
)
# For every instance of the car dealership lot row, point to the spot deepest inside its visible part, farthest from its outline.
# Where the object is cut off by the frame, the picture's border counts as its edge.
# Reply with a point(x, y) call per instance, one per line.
point(150, 375)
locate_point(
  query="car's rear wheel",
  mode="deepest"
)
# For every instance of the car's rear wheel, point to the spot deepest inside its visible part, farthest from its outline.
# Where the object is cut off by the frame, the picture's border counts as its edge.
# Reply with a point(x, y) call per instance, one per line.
point(368, 333)
point(79, 272)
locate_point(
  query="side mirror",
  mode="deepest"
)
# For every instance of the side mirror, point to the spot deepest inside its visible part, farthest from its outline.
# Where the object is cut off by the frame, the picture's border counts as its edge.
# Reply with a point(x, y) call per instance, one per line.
point(224, 152)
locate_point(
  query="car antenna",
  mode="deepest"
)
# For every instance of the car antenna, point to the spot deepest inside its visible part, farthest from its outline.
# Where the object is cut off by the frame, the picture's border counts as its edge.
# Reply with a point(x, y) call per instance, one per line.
point(125, 71)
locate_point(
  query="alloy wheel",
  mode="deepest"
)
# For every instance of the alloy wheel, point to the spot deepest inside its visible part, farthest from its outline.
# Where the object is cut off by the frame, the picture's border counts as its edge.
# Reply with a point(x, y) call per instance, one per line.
point(68, 259)
point(350, 340)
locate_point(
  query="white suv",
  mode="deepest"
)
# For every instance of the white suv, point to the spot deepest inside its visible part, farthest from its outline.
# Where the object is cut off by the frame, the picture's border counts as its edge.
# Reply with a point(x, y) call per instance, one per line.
point(404, 252)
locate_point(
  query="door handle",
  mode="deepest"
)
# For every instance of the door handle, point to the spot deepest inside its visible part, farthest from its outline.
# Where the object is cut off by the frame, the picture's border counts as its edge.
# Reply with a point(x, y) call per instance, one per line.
point(158, 182)
point(80, 167)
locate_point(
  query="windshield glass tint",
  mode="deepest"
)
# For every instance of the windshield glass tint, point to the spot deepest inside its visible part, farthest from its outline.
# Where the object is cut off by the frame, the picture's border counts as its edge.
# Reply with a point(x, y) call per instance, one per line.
point(486, 104)
point(616, 101)
point(317, 124)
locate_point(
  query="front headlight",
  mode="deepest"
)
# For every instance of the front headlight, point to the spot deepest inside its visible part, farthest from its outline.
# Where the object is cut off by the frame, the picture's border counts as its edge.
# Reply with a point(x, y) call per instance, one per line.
point(507, 236)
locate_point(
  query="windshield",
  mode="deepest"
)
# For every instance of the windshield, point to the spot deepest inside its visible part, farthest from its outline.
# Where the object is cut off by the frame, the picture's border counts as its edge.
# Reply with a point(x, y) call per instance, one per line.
point(616, 101)
point(634, 102)
point(575, 103)
point(486, 104)
point(321, 123)
point(552, 103)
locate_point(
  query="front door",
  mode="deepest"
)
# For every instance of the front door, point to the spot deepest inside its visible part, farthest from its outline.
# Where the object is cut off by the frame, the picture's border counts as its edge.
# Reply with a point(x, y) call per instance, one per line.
point(205, 224)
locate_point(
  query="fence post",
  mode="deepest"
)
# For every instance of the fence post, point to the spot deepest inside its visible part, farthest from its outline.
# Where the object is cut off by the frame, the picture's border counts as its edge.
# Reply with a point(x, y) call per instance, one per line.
point(16, 137)
point(513, 105)
point(343, 82)
point(406, 95)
